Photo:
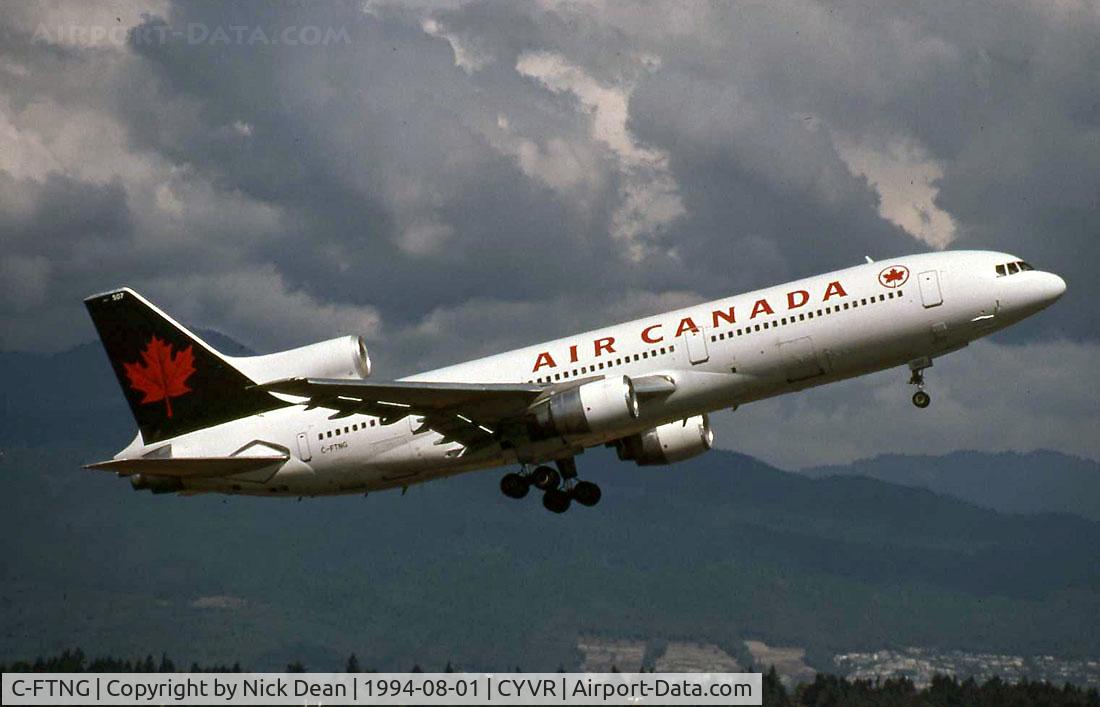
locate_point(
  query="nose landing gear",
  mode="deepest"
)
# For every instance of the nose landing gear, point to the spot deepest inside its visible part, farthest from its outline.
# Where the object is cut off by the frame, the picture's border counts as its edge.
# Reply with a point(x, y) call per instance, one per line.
point(560, 486)
point(920, 398)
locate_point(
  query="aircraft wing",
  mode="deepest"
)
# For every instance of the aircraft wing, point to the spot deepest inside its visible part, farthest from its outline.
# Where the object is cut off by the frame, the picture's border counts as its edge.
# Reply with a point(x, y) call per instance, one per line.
point(469, 413)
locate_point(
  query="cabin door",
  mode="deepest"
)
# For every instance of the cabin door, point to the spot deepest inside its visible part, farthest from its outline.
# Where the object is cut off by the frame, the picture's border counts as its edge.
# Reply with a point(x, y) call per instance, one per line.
point(697, 346)
point(930, 288)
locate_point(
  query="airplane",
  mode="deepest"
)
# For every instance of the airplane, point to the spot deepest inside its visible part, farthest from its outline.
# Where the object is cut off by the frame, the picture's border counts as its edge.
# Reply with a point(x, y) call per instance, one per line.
point(309, 421)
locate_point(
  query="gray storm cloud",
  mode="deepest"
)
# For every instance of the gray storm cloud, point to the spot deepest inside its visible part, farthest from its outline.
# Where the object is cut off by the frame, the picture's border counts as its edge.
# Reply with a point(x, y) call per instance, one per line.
point(449, 180)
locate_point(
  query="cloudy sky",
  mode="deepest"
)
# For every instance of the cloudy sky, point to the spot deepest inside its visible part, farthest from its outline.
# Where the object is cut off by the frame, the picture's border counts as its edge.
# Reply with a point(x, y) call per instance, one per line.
point(453, 179)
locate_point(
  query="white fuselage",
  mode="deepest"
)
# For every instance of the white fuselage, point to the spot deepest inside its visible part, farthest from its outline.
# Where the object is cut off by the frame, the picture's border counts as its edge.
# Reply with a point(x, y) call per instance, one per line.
point(719, 354)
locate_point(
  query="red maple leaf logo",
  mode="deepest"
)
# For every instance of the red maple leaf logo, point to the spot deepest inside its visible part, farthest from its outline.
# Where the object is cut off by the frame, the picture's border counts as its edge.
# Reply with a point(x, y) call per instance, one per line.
point(161, 375)
point(893, 276)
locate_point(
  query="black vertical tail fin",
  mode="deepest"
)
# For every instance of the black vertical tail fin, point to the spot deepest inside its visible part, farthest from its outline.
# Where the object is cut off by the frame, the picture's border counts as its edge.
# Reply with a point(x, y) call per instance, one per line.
point(174, 381)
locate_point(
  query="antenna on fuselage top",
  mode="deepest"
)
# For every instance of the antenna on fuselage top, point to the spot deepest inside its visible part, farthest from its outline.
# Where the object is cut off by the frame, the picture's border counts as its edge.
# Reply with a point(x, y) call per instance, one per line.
point(868, 259)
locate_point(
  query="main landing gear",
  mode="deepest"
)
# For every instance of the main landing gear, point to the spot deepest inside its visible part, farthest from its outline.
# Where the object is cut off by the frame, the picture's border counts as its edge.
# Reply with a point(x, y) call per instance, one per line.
point(514, 485)
point(920, 398)
point(560, 486)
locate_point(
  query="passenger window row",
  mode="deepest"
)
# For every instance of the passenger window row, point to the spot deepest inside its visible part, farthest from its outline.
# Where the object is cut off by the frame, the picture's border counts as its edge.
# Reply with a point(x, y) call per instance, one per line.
point(803, 316)
point(347, 429)
point(604, 365)
point(1013, 268)
point(743, 331)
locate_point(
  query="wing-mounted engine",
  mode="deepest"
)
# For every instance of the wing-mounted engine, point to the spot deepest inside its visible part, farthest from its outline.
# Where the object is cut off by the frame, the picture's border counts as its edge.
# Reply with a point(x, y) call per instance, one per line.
point(669, 443)
point(592, 407)
point(342, 358)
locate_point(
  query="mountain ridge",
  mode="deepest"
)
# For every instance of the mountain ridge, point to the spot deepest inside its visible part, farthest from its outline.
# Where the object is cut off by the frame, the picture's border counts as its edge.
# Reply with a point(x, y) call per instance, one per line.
point(719, 548)
point(1016, 482)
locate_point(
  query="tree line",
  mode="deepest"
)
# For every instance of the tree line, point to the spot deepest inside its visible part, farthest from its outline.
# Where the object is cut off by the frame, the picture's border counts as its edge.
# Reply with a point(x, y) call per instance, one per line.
point(824, 691)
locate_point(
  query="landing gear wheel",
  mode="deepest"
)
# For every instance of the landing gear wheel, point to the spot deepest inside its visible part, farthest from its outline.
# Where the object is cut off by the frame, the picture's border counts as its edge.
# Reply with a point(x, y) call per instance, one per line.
point(922, 399)
point(556, 500)
point(586, 493)
point(545, 478)
point(514, 486)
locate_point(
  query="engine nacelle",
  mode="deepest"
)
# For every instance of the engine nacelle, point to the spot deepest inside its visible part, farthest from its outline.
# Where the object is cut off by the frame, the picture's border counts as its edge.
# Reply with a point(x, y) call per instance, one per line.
point(593, 407)
point(345, 357)
point(669, 443)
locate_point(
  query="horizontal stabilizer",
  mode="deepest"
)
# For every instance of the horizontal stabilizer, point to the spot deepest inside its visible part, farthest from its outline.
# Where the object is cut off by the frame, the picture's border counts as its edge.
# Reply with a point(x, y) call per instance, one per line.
point(188, 467)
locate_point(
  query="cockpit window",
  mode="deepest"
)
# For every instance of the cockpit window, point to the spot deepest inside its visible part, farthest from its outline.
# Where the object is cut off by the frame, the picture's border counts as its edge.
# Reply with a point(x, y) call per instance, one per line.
point(1013, 268)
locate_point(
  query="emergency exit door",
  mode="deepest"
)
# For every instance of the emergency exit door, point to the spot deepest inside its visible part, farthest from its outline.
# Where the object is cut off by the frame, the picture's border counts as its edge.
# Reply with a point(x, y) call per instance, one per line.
point(930, 288)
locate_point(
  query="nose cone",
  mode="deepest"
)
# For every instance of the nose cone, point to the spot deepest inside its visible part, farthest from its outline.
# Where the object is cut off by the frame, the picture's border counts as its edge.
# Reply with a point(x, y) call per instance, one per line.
point(1034, 293)
point(1048, 288)
point(1022, 294)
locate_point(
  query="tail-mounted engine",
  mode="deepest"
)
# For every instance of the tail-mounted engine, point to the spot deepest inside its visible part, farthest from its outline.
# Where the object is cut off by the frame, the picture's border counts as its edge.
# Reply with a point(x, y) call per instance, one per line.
point(593, 407)
point(669, 443)
point(345, 357)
